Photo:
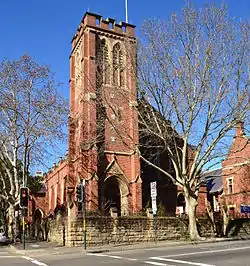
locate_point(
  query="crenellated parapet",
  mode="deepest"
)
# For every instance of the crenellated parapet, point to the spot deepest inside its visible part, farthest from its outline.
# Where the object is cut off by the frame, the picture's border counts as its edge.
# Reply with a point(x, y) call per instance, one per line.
point(108, 25)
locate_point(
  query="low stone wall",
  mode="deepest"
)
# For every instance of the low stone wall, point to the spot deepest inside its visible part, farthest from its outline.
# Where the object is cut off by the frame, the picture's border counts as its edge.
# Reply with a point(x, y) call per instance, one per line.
point(57, 230)
point(125, 230)
point(239, 227)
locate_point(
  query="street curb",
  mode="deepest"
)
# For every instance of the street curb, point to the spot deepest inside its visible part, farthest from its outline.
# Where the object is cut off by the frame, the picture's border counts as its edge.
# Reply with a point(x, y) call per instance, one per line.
point(96, 250)
point(167, 244)
point(13, 250)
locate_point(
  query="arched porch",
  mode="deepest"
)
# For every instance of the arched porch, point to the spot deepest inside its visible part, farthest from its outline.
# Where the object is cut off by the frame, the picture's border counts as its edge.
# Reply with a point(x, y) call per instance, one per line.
point(116, 194)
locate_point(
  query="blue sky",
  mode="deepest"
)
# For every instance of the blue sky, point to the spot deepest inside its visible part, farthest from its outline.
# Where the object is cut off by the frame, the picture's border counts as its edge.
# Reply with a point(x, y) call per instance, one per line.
point(44, 28)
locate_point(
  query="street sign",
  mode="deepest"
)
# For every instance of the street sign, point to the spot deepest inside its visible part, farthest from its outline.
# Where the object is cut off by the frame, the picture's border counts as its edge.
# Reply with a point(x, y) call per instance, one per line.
point(153, 189)
point(245, 208)
point(179, 210)
point(154, 205)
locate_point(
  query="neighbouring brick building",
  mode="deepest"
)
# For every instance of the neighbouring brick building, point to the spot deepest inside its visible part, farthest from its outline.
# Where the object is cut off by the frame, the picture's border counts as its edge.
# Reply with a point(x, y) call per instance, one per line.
point(236, 172)
point(230, 185)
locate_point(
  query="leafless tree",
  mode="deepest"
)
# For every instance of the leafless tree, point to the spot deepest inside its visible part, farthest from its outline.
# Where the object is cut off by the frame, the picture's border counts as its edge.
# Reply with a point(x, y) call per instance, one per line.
point(193, 78)
point(32, 117)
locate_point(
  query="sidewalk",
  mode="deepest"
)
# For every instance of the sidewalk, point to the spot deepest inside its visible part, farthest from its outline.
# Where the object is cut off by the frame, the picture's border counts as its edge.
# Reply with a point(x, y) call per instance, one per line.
point(45, 248)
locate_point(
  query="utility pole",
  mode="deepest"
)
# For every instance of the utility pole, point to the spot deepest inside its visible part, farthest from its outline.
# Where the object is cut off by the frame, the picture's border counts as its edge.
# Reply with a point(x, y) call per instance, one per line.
point(24, 203)
point(84, 213)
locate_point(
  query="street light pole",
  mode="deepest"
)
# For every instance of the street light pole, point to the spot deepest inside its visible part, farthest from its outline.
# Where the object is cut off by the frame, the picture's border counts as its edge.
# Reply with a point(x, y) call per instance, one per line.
point(84, 213)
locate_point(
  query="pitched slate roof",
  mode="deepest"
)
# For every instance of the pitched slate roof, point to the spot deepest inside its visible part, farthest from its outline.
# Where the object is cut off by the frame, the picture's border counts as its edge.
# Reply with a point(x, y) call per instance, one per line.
point(214, 180)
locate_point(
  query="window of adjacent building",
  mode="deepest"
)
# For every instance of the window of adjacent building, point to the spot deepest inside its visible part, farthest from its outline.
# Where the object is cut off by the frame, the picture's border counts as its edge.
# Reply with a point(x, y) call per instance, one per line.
point(230, 188)
point(52, 199)
point(216, 203)
point(231, 209)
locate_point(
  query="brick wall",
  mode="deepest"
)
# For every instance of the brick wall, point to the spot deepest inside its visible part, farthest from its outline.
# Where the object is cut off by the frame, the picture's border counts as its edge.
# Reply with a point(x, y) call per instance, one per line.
point(237, 168)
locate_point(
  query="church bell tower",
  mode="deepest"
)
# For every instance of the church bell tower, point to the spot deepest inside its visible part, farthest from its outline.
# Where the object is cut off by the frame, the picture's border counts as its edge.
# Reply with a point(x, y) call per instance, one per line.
point(103, 124)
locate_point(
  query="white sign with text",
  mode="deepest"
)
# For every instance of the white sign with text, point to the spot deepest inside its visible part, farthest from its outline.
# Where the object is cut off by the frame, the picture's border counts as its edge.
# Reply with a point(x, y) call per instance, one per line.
point(153, 189)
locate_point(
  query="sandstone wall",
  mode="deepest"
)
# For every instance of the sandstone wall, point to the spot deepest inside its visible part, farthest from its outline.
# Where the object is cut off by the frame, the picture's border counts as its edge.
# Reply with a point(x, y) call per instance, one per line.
point(125, 230)
point(57, 231)
point(239, 227)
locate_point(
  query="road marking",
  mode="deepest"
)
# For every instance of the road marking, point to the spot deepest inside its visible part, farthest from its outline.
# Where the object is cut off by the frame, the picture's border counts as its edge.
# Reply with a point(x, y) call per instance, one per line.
point(115, 257)
point(110, 256)
point(34, 261)
point(6, 256)
point(131, 259)
point(181, 261)
point(205, 252)
point(157, 263)
point(38, 263)
point(97, 255)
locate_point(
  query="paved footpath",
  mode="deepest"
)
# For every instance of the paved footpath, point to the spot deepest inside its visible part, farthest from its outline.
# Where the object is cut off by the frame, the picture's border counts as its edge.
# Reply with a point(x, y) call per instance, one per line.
point(35, 248)
point(224, 253)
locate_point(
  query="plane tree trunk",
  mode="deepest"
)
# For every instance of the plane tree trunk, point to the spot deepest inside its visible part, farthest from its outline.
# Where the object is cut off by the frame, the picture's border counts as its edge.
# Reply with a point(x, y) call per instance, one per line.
point(191, 204)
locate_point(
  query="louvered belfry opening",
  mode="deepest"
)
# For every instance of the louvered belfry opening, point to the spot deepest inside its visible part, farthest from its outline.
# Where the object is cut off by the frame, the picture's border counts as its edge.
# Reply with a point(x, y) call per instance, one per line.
point(118, 69)
point(103, 66)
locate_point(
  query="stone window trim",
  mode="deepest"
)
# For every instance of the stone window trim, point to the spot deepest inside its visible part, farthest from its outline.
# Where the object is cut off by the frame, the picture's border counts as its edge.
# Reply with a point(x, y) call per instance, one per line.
point(118, 65)
point(230, 185)
point(103, 60)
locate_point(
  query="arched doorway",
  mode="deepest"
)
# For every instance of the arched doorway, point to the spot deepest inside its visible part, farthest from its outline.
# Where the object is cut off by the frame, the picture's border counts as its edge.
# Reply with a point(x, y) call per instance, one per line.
point(116, 195)
point(37, 221)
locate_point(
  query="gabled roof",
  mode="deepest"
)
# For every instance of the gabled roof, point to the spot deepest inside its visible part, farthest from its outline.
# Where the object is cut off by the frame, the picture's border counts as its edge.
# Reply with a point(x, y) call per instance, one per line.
point(42, 190)
point(214, 180)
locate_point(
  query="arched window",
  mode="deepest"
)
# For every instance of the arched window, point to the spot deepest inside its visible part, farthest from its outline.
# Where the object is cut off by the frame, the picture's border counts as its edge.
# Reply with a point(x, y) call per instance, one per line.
point(118, 66)
point(103, 68)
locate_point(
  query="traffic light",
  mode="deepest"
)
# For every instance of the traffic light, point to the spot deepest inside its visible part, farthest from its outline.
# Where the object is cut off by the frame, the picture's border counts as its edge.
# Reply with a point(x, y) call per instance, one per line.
point(79, 192)
point(24, 197)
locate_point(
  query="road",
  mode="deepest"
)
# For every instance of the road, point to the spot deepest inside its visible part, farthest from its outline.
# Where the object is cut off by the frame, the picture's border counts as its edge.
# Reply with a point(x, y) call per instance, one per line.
point(210, 254)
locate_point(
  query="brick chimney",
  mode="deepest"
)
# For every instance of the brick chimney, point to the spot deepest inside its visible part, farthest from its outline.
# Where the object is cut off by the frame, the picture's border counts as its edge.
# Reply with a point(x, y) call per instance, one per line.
point(239, 129)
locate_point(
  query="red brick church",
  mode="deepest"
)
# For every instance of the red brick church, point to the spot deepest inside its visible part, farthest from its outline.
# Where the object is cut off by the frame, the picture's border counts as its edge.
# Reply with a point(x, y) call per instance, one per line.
point(103, 131)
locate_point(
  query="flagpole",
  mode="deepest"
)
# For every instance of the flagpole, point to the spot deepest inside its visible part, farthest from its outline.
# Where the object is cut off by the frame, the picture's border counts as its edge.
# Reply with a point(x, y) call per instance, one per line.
point(126, 8)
